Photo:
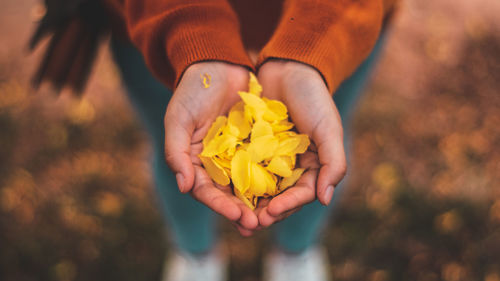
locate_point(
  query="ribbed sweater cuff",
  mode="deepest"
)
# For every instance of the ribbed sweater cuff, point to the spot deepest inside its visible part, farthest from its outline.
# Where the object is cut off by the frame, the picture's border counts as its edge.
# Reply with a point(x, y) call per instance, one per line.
point(333, 37)
point(204, 45)
point(306, 49)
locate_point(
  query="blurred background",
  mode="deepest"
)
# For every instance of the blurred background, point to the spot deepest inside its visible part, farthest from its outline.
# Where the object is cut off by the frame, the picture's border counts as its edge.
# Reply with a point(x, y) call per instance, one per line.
point(423, 199)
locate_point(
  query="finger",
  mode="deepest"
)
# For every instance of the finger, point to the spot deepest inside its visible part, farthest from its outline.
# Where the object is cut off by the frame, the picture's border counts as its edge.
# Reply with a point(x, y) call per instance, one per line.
point(178, 131)
point(248, 218)
point(328, 137)
point(266, 220)
point(314, 113)
point(243, 231)
point(296, 196)
point(261, 204)
point(214, 198)
point(309, 160)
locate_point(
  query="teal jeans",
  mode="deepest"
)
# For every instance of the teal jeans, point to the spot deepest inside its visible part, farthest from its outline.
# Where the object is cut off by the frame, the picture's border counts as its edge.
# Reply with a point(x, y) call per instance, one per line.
point(192, 225)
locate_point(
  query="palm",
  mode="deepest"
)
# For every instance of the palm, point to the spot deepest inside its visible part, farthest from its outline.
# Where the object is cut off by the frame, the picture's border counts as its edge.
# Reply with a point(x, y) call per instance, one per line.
point(189, 115)
point(312, 110)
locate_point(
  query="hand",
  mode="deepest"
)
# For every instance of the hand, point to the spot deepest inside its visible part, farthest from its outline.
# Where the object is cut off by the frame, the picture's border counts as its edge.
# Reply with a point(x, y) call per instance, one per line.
point(189, 115)
point(302, 89)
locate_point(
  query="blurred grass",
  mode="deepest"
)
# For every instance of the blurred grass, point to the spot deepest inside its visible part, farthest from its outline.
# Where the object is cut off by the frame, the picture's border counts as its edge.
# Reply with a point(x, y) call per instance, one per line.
point(422, 200)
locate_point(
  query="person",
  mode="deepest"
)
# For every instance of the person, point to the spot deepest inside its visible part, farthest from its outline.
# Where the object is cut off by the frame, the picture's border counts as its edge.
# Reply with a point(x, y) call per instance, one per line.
point(302, 51)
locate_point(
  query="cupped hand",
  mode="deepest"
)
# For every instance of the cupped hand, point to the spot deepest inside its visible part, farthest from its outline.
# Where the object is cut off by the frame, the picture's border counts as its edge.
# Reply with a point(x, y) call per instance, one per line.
point(302, 89)
point(189, 115)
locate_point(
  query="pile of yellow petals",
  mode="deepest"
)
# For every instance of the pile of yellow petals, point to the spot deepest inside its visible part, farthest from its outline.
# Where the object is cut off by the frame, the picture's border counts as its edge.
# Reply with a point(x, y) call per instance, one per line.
point(253, 147)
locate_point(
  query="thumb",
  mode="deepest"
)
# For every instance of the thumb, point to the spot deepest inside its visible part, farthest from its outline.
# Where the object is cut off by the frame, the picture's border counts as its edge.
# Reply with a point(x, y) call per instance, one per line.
point(179, 128)
point(328, 137)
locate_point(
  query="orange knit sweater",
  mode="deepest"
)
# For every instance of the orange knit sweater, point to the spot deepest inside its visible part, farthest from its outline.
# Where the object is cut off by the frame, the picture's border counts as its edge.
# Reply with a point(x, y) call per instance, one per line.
point(333, 36)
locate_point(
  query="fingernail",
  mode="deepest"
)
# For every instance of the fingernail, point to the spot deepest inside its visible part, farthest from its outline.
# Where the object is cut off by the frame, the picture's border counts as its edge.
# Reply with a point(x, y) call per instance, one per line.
point(328, 195)
point(180, 181)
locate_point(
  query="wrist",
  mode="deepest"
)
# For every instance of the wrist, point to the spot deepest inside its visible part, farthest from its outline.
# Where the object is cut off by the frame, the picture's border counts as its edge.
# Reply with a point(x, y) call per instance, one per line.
point(290, 74)
point(217, 73)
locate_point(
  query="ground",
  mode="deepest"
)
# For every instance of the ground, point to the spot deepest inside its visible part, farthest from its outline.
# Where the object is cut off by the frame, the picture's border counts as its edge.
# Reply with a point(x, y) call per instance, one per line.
point(422, 200)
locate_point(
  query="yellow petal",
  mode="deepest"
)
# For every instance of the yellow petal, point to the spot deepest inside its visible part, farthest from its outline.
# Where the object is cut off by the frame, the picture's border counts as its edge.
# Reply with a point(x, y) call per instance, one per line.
point(216, 172)
point(257, 107)
point(229, 153)
point(207, 80)
point(260, 180)
point(277, 107)
point(219, 144)
point(262, 148)
point(240, 170)
point(280, 126)
point(237, 119)
point(223, 162)
point(285, 135)
point(291, 180)
point(287, 146)
point(255, 200)
point(280, 166)
point(260, 129)
point(272, 189)
point(253, 85)
point(240, 106)
point(276, 111)
point(303, 144)
point(243, 198)
point(290, 160)
point(244, 146)
point(231, 129)
point(291, 144)
point(252, 100)
point(249, 114)
point(215, 129)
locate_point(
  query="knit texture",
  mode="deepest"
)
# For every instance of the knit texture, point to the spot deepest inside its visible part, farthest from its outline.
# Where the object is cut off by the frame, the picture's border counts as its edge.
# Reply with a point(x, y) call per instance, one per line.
point(173, 34)
point(334, 37)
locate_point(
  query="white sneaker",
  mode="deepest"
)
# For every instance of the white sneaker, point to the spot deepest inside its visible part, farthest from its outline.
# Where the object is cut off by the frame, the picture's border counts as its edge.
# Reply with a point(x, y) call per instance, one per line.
point(310, 265)
point(182, 266)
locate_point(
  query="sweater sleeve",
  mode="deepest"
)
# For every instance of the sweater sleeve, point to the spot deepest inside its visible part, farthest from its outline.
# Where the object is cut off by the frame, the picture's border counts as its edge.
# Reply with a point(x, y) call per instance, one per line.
point(334, 37)
point(173, 34)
